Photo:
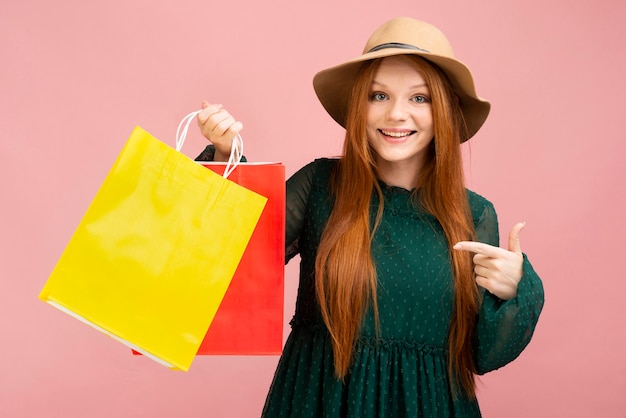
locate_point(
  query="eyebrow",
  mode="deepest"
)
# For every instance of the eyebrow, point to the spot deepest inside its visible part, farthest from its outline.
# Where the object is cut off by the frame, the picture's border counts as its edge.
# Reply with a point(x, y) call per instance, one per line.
point(411, 87)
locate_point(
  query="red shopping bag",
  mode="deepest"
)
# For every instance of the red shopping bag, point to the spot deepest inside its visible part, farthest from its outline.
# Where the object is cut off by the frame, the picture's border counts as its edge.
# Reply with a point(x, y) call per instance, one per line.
point(250, 317)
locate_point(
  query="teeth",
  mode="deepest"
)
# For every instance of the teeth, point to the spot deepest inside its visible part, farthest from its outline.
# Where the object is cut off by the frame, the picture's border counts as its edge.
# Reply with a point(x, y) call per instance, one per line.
point(396, 134)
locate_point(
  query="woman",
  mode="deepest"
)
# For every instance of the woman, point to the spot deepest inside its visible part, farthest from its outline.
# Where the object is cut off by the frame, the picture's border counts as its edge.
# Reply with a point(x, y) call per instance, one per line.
point(404, 295)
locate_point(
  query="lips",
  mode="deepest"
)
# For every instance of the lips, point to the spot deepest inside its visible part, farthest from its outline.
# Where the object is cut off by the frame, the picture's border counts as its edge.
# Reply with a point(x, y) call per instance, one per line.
point(396, 134)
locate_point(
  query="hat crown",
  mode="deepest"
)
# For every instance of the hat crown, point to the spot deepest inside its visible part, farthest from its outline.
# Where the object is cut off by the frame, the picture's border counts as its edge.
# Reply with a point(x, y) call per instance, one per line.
point(405, 30)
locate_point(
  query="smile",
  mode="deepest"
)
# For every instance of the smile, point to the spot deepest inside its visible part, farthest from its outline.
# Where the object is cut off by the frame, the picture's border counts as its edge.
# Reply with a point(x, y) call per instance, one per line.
point(396, 134)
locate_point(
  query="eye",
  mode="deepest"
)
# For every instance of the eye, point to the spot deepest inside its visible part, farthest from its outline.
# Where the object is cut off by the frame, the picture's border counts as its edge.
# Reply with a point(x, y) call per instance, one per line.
point(378, 96)
point(420, 98)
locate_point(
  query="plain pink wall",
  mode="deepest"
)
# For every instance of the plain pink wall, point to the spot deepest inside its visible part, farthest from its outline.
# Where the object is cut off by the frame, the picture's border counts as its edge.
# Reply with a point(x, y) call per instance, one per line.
point(77, 76)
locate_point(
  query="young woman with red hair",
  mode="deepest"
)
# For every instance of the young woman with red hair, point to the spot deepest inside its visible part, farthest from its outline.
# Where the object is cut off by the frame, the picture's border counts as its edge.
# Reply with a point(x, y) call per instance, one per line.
point(404, 294)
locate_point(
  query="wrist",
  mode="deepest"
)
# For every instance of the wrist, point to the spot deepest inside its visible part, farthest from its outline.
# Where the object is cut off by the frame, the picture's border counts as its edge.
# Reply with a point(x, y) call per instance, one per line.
point(220, 155)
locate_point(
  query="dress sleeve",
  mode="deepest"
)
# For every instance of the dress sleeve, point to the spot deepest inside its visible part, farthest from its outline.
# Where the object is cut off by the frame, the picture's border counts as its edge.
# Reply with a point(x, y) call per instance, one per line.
point(505, 328)
point(298, 189)
point(208, 154)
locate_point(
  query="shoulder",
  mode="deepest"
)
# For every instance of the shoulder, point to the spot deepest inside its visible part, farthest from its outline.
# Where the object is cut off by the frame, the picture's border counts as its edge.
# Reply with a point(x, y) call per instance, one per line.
point(317, 170)
point(324, 165)
point(314, 175)
point(479, 205)
point(477, 200)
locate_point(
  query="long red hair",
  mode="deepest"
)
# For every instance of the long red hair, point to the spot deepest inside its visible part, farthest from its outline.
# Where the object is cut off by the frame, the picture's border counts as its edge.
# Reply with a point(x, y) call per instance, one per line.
point(345, 273)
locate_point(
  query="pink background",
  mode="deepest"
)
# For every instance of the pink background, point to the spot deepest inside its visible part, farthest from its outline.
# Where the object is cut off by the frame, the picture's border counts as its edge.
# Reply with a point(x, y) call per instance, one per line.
point(77, 76)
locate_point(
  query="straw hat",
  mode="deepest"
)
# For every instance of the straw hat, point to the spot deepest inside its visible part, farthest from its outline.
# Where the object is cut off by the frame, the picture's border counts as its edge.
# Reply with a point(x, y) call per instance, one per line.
point(403, 36)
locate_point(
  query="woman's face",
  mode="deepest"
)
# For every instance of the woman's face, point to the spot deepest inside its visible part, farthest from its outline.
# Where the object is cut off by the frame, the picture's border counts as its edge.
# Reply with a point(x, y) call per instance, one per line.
point(399, 115)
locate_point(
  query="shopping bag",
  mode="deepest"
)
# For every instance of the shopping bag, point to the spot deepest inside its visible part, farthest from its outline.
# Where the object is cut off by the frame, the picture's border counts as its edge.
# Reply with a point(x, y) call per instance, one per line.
point(250, 318)
point(151, 259)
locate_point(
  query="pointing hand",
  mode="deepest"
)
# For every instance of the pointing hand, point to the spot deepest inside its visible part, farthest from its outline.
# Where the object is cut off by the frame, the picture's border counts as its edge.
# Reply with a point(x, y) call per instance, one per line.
point(498, 270)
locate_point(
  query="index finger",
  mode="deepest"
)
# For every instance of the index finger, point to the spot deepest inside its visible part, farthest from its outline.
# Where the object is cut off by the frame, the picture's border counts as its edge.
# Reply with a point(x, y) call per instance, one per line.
point(478, 248)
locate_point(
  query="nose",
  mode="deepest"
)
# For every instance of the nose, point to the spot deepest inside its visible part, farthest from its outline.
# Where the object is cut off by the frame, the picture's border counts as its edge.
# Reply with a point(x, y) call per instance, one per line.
point(397, 110)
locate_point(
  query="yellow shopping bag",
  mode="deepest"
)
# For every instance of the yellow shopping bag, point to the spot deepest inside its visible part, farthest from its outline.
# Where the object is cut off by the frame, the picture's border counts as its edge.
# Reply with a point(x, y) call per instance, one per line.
point(155, 252)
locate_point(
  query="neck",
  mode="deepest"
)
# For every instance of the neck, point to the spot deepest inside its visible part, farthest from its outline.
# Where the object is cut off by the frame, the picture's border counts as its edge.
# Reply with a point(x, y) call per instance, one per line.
point(399, 173)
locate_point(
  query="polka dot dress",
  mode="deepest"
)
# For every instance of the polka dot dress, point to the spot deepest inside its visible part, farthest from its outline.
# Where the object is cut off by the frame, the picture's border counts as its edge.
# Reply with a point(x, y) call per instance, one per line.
point(403, 372)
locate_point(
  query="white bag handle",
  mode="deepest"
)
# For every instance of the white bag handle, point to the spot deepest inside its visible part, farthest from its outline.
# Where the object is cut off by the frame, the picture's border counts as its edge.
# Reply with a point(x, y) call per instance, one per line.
point(236, 149)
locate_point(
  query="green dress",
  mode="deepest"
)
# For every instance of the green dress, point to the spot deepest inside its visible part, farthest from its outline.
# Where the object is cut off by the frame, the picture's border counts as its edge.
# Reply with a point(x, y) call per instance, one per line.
point(404, 372)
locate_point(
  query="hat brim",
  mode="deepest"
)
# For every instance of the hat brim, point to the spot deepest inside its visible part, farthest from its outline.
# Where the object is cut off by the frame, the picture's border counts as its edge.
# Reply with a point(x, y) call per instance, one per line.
point(334, 85)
